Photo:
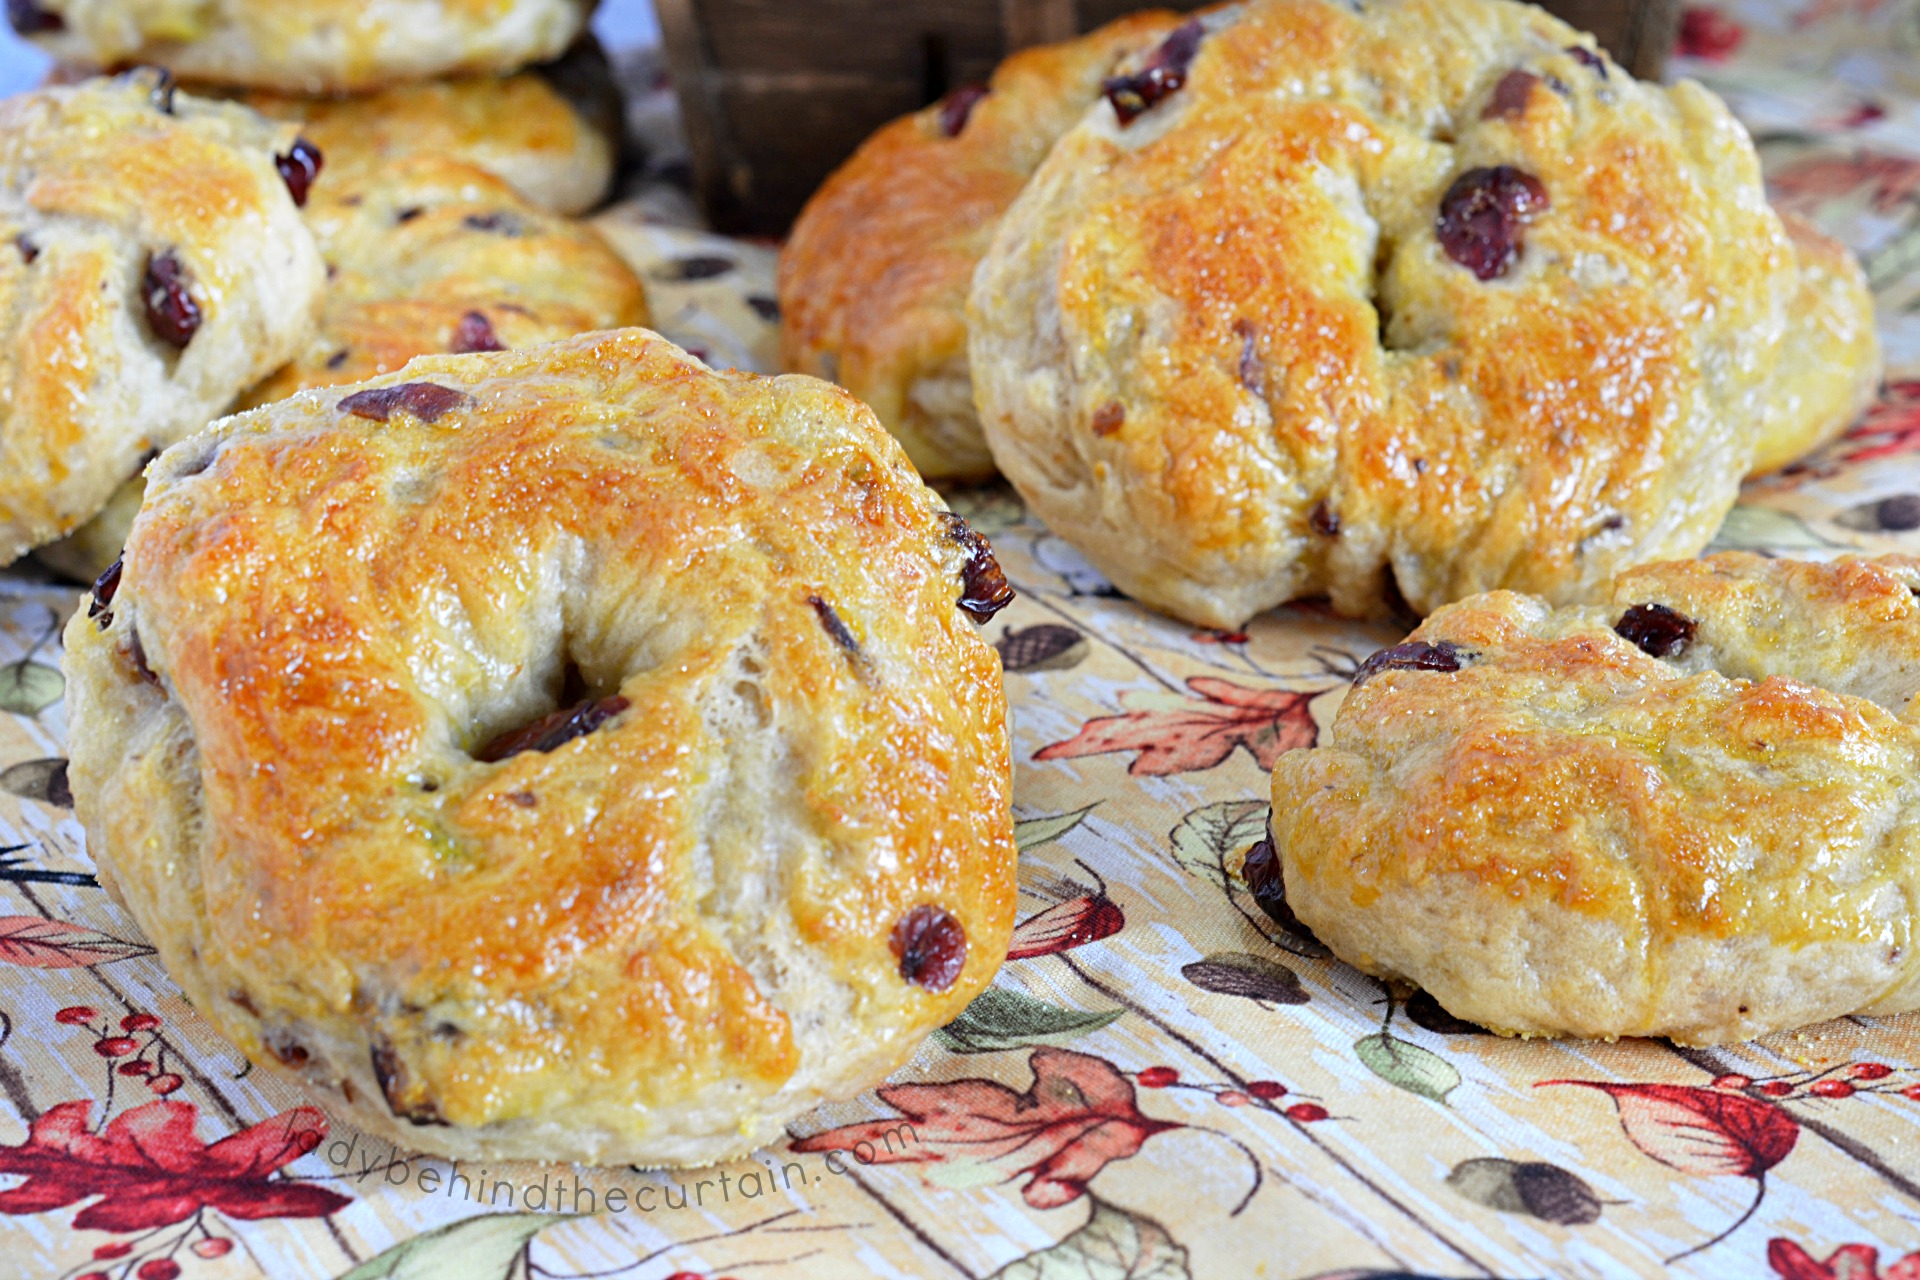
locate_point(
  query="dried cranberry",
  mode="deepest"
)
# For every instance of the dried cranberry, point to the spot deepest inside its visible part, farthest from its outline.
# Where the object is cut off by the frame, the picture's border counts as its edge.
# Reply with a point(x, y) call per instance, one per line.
point(1109, 418)
point(1483, 218)
point(391, 1073)
point(1249, 371)
point(298, 168)
point(1588, 58)
point(1414, 655)
point(984, 589)
point(835, 628)
point(931, 946)
point(29, 19)
point(1657, 631)
point(427, 401)
point(1510, 96)
point(28, 249)
point(475, 333)
point(504, 224)
point(553, 731)
point(1261, 871)
point(957, 106)
point(1323, 521)
point(160, 92)
point(1164, 73)
point(137, 654)
point(104, 588)
point(172, 313)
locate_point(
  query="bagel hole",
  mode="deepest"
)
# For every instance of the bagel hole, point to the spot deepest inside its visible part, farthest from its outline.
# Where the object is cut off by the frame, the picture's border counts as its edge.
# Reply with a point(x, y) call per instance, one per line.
point(576, 708)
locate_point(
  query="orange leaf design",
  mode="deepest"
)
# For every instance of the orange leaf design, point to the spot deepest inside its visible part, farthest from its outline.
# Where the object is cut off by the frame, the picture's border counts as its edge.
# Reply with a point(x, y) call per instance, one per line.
point(1200, 733)
point(1076, 1118)
point(1066, 925)
point(54, 944)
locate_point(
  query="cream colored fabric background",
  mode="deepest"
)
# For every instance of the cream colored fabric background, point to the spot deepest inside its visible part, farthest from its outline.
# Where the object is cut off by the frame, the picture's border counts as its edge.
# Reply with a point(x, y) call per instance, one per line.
point(1165, 1083)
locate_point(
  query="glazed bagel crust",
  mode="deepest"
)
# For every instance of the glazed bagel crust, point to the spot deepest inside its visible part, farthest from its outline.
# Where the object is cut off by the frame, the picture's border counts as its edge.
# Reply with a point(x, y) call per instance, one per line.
point(420, 246)
point(1223, 349)
point(98, 182)
point(313, 46)
point(873, 280)
point(1568, 836)
point(655, 943)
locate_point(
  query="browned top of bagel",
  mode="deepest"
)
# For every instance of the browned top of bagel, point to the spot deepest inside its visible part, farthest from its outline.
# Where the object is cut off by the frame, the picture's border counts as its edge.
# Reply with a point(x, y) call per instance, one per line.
point(1691, 809)
point(1412, 299)
point(553, 748)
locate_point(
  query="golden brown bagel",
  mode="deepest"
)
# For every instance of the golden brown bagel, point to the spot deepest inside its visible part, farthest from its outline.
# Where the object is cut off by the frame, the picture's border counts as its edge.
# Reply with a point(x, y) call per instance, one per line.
point(155, 265)
point(873, 280)
point(1688, 811)
point(1405, 300)
point(304, 46)
point(567, 753)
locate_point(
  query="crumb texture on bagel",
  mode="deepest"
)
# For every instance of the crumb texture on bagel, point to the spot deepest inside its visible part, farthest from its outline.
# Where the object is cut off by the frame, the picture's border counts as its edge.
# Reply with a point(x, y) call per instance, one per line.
point(1398, 301)
point(567, 753)
point(304, 46)
point(153, 264)
point(1690, 810)
point(873, 280)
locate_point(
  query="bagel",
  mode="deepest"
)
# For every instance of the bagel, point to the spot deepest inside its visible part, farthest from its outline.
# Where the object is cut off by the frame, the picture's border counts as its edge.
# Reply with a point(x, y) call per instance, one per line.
point(428, 255)
point(312, 46)
point(1830, 365)
point(873, 278)
point(566, 753)
point(155, 266)
point(1691, 810)
point(527, 129)
point(425, 254)
point(1389, 303)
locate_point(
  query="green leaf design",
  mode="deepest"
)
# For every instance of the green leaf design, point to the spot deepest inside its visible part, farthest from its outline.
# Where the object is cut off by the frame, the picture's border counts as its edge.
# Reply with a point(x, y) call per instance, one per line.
point(28, 688)
point(1206, 836)
point(1114, 1245)
point(1752, 528)
point(1544, 1191)
point(1405, 1065)
point(473, 1249)
point(1031, 833)
point(1002, 1019)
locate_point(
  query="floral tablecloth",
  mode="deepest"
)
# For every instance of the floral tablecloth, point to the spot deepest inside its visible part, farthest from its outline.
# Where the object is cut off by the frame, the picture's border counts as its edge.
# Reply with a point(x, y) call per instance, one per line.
point(1164, 1082)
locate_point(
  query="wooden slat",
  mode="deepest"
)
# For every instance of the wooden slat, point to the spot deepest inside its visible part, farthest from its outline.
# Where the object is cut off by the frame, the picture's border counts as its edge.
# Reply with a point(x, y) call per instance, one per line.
point(1029, 22)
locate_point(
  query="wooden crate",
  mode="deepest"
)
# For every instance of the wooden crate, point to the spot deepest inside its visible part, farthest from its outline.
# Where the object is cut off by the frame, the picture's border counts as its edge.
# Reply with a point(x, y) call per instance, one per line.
point(775, 94)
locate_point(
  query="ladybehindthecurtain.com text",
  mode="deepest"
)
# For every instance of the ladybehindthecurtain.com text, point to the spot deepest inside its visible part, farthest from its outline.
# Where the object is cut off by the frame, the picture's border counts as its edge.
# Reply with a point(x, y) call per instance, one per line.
point(564, 1193)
